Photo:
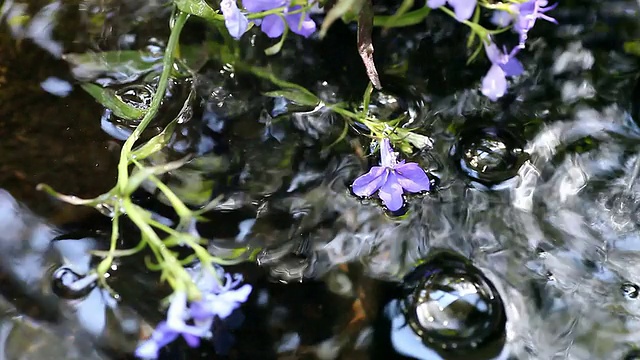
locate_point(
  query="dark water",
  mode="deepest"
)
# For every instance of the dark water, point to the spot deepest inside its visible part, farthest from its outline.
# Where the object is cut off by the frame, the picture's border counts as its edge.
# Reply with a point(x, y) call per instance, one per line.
point(528, 248)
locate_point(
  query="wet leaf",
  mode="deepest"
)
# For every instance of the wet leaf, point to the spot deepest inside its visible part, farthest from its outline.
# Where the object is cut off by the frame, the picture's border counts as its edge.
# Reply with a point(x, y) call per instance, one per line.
point(341, 8)
point(123, 65)
point(156, 143)
point(199, 8)
point(365, 42)
point(107, 97)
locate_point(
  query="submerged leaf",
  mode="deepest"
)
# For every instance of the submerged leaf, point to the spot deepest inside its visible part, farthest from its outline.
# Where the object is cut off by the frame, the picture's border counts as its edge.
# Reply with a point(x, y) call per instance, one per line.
point(107, 97)
point(123, 65)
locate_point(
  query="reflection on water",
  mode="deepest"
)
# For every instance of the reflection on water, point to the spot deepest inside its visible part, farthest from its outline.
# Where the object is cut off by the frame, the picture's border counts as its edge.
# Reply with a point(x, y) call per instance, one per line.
point(539, 195)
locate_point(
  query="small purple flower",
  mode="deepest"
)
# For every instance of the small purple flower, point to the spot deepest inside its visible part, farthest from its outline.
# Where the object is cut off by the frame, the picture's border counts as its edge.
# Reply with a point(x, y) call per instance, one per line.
point(528, 13)
point(220, 300)
point(167, 331)
point(391, 179)
point(494, 84)
point(273, 25)
point(525, 16)
point(217, 300)
point(463, 8)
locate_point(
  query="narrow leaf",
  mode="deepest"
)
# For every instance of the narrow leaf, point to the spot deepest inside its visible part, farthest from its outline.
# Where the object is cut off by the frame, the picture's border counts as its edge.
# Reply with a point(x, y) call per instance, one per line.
point(410, 18)
point(108, 99)
point(404, 7)
point(123, 66)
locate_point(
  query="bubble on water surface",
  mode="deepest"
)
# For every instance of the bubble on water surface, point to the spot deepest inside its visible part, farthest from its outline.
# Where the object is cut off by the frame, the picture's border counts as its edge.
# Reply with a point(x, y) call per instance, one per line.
point(453, 308)
point(630, 290)
point(489, 156)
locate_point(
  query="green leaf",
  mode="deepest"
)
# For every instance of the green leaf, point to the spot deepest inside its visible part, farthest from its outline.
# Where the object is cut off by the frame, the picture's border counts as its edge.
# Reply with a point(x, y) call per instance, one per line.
point(272, 50)
point(298, 97)
point(632, 47)
point(124, 64)
point(406, 19)
point(404, 7)
point(107, 97)
point(199, 8)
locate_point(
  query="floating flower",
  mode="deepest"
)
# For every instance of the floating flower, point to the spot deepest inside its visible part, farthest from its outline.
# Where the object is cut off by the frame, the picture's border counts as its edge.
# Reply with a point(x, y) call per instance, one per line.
point(463, 8)
point(220, 300)
point(391, 179)
point(167, 331)
point(494, 84)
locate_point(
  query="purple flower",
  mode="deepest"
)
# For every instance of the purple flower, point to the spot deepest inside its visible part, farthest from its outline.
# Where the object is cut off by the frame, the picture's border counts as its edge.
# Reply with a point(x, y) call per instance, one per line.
point(494, 84)
point(528, 13)
point(525, 16)
point(167, 331)
point(217, 300)
point(463, 8)
point(273, 25)
point(501, 18)
point(234, 19)
point(391, 179)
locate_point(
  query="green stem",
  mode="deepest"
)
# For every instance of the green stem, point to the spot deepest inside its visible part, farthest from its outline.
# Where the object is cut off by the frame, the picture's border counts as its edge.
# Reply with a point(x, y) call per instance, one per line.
point(167, 66)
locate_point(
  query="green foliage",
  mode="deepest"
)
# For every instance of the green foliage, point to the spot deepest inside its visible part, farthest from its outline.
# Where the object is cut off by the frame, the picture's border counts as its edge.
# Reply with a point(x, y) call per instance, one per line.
point(108, 98)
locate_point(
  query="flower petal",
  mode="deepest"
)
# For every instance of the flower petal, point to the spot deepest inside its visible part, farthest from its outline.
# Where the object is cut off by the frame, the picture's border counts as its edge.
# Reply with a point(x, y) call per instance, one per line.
point(513, 67)
point(273, 26)
point(191, 340)
point(391, 193)
point(463, 8)
point(494, 84)
point(436, 3)
point(239, 295)
point(199, 311)
point(367, 184)
point(501, 18)
point(262, 5)
point(387, 155)
point(234, 19)
point(147, 350)
point(306, 27)
point(412, 177)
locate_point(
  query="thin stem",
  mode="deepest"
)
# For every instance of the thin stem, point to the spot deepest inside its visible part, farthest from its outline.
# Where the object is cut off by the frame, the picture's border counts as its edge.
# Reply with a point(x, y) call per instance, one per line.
point(167, 66)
